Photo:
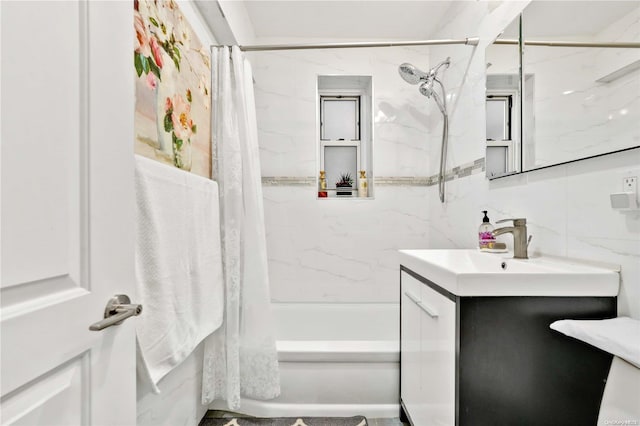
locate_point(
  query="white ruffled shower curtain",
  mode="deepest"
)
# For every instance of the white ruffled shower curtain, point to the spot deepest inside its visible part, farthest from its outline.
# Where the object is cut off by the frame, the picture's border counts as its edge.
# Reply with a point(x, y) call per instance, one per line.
point(240, 358)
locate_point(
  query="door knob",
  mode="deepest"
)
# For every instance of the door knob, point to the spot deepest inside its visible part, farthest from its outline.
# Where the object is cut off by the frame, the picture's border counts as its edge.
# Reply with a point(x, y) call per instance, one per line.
point(118, 309)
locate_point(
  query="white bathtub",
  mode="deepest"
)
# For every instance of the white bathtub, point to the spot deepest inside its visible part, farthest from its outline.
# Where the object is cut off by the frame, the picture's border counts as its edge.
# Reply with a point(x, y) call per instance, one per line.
point(335, 360)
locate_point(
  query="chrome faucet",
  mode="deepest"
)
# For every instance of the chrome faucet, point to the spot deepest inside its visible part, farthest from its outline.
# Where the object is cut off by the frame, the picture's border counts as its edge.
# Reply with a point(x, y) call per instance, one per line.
point(519, 231)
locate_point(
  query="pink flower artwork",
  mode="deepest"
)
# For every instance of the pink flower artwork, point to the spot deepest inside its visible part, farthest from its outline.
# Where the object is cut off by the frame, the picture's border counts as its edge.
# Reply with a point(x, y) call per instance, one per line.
point(142, 37)
point(152, 82)
point(173, 88)
point(157, 53)
point(181, 118)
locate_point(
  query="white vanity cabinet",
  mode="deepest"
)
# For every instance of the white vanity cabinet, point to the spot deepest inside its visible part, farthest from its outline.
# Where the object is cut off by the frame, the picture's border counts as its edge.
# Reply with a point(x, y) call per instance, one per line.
point(476, 347)
point(428, 324)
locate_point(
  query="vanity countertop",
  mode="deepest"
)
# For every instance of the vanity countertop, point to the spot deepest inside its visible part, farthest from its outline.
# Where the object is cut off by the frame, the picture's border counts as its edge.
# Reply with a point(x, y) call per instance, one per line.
point(469, 272)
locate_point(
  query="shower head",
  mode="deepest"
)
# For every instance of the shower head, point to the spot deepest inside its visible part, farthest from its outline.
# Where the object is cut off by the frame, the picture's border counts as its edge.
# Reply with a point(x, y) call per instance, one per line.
point(426, 88)
point(411, 74)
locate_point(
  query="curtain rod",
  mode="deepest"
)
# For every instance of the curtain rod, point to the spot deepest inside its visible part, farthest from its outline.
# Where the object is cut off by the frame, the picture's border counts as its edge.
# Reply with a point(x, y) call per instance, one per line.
point(471, 41)
point(549, 43)
point(257, 48)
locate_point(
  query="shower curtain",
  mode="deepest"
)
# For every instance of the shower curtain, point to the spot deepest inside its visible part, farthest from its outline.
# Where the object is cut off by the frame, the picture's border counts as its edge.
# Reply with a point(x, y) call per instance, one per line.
point(240, 357)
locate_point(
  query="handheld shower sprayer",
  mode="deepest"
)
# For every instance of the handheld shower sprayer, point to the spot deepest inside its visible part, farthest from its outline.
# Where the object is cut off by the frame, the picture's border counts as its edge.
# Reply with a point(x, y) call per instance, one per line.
point(413, 75)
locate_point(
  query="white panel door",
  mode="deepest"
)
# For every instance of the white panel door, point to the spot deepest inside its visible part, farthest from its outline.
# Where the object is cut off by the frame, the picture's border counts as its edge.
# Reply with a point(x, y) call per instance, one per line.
point(67, 212)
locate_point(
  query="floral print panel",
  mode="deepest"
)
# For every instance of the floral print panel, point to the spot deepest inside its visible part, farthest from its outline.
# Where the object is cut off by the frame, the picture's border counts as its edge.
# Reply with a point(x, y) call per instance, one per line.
point(173, 88)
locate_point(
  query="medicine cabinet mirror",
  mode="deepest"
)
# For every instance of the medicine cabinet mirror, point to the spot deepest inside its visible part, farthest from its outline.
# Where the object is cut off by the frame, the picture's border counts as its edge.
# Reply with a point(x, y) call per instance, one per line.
point(575, 102)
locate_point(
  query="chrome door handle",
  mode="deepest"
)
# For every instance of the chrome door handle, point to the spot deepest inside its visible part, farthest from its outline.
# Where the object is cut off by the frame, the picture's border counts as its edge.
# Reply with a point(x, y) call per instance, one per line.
point(118, 309)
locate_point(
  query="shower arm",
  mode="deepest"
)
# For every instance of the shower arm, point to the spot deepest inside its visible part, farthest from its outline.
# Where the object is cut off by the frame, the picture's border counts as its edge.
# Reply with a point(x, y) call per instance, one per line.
point(434, 71)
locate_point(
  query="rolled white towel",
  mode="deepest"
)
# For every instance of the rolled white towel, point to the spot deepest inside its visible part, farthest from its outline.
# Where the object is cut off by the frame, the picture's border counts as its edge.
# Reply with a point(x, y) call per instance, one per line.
point(618, 336)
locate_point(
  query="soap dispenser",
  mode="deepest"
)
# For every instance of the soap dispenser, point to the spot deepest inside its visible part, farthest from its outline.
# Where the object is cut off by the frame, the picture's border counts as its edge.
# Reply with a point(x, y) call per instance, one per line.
point(485, 232)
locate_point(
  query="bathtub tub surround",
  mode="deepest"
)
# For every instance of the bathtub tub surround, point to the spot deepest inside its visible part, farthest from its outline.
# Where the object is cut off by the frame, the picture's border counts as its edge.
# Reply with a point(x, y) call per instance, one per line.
point(342, 360)
point(496, 361)
point(240, 358)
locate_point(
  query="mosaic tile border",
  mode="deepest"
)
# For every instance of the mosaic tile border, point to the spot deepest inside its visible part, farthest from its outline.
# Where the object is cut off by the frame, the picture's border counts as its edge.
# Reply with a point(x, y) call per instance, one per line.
point(456, 172)
point(463, 170)
point(288, 181)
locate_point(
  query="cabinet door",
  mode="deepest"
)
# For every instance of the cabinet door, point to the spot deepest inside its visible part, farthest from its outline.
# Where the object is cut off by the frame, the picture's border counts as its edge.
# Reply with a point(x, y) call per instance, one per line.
point(437, 359)
point(410, 344)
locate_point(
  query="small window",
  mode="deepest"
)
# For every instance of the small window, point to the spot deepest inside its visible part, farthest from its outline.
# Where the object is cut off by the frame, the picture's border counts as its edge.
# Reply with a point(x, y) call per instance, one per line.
point(501, 130)
point(498, 118)
point(339, 160)
point(497, 160)
point(340, 118)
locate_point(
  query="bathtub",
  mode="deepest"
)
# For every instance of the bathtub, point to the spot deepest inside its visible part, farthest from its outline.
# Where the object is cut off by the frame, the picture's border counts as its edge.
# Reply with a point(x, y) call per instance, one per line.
point(335, 360)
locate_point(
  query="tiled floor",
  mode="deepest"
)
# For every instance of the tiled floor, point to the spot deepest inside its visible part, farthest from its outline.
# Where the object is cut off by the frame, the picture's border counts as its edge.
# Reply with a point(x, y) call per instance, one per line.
point(371, 422)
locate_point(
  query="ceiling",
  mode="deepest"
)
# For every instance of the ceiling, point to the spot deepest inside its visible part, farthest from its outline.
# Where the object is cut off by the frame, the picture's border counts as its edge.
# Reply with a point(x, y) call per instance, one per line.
point(570, 18)
point(346, 20)
point(372, 20)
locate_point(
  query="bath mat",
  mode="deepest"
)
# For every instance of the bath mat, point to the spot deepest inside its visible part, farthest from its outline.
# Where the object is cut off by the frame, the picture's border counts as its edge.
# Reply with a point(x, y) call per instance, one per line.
point(285, 421)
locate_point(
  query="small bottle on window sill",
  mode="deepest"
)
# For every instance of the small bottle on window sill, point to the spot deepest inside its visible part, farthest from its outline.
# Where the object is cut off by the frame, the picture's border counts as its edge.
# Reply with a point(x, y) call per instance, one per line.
point(362, 185)
point(322, 184)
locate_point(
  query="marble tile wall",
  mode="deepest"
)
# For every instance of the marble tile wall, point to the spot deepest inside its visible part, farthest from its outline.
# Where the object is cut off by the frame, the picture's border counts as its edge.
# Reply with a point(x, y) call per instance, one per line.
point(567, 207)
point(340, 250)
point(285, 90)
point(335, 250)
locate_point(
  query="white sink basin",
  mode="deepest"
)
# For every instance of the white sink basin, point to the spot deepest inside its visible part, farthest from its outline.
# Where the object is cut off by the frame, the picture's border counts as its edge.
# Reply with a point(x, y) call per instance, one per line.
point(474, 273)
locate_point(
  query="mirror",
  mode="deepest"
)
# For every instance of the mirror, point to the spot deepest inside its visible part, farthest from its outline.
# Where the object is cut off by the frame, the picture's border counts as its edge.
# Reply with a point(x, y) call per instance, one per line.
point(577, 102)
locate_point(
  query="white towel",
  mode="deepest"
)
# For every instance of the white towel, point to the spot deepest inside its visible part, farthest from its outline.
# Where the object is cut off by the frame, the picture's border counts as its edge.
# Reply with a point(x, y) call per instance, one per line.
point(619, 336)
point(178, 265)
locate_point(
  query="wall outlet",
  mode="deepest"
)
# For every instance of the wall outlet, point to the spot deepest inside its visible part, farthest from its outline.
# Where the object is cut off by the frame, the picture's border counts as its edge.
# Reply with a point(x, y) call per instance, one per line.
point(630, 184)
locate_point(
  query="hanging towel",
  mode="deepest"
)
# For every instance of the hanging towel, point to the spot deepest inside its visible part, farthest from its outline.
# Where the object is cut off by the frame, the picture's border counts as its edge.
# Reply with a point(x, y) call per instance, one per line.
point(178, 265)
